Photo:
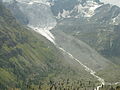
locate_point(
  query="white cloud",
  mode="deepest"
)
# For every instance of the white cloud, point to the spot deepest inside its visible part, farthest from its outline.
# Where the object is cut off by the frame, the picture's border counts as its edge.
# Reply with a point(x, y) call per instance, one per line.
point(114, 2)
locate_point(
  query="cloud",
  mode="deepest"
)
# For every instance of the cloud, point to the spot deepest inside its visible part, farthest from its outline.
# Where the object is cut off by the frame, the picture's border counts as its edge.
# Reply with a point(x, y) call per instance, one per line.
point(114, 2)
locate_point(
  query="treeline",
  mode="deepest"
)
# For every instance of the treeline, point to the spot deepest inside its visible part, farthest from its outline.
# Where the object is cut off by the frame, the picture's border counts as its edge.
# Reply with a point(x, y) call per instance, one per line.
point(64, 84)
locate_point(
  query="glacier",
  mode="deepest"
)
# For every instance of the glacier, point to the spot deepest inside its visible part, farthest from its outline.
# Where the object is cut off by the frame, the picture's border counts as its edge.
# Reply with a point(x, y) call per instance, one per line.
point(44, 32)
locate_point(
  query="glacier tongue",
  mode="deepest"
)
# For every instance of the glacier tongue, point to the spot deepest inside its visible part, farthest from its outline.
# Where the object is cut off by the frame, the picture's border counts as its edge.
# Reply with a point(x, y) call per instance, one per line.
point(39, 15)
point(44, 32)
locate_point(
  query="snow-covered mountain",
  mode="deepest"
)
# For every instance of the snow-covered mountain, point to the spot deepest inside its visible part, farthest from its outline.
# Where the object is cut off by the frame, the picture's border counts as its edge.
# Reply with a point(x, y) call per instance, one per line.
point(85, 9)
point(79, 10)
point(45, 13)
point(75, 8)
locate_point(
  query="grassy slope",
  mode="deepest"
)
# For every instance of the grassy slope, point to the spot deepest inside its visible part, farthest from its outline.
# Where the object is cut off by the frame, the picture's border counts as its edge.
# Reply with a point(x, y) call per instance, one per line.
point(27, 58)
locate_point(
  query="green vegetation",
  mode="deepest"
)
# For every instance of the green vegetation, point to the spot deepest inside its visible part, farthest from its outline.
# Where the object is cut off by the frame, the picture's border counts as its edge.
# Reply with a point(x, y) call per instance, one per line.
point(64, 84)
point(30, 62)
point(27, 58)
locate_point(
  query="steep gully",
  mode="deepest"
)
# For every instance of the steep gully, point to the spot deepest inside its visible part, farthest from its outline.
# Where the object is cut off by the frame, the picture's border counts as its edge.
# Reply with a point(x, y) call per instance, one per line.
point(47, 34)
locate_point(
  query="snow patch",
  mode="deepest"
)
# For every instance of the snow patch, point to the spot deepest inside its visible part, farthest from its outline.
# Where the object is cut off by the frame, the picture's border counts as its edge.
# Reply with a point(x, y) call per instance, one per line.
point(116, 20)
point(79, 8)
point(64, 14)
point(90, 8)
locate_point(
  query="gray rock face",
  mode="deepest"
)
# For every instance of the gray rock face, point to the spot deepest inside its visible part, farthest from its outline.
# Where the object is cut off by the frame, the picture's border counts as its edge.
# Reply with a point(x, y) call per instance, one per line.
point(39, 15)
point(32, 12)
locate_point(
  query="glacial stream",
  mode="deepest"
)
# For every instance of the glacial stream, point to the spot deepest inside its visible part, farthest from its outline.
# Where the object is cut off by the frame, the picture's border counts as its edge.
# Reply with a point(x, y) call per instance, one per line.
point(101, 80)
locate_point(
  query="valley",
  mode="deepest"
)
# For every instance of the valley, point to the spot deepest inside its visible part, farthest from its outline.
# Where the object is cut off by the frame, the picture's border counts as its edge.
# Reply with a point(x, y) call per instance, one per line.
point(59, 45)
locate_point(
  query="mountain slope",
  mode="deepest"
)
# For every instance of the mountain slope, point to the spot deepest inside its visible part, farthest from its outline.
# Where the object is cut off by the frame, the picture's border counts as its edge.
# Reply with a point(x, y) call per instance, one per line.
point(101, 31)
point(65, 36)
point(27, 59)
point(80, 21)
